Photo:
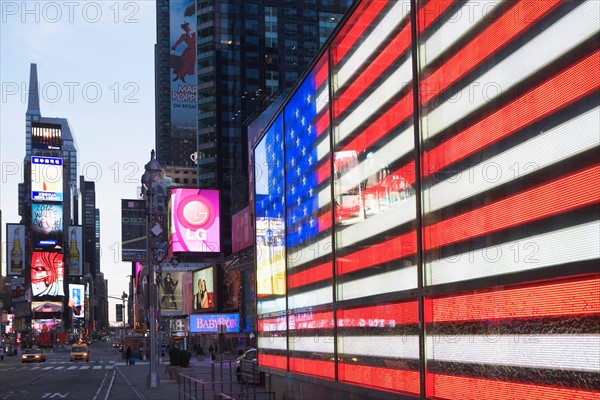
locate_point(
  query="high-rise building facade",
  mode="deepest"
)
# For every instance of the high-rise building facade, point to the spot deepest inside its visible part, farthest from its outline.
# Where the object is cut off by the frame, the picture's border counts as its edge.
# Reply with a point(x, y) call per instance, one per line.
point(245, 54)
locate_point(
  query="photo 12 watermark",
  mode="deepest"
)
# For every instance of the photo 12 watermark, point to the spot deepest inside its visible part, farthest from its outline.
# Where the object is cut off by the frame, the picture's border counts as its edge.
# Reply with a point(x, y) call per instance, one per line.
point(53, 12)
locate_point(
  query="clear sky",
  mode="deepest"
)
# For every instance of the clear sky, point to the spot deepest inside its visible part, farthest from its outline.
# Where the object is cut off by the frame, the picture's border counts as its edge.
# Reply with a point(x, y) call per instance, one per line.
point(95, 62)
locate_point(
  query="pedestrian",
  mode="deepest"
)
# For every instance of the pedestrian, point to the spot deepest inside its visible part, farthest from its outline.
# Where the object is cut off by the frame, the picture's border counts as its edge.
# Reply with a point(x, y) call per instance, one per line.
point(211, 350)
point(127, 355)
point(1, 352)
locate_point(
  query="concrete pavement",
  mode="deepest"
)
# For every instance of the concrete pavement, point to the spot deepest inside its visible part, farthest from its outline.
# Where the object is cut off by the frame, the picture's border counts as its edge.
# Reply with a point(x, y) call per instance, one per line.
point(204, 380)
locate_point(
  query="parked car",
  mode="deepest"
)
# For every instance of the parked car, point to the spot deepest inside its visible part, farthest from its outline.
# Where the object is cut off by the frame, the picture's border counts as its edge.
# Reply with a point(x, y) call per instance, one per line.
point(33, 355)
point(246, 368)
point(80, 352)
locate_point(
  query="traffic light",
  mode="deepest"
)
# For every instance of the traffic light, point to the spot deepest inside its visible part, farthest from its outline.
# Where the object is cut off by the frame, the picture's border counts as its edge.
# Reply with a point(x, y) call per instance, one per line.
point(119, 312)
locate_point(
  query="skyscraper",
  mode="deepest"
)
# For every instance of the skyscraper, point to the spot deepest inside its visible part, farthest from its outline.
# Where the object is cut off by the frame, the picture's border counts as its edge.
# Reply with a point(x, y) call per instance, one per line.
point(244, 55)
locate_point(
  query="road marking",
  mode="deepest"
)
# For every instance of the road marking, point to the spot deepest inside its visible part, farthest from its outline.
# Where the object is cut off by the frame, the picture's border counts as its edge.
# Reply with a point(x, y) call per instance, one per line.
point(97, 367)
point(85, 367)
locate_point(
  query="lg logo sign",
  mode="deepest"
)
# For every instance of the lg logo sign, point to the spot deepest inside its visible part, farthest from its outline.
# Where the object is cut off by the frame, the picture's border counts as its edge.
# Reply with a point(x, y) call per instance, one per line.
point(196, 215)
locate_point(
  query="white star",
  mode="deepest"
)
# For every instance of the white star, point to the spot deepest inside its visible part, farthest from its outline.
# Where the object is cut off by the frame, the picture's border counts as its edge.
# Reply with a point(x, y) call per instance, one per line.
point(292, 133)
point(309, 129)
point(293, 161)
point(297, 113)
point(303, 121)
point(293, 190)
point(311, 222)
point(298, 142)
point(308, 98)
point(293, 219)
point(303, 150)
point(310, 160)
point(299, 230)
point(310, 192)
point(303, 181)
point(298, 171)
point(298, 200)
point(305, 211)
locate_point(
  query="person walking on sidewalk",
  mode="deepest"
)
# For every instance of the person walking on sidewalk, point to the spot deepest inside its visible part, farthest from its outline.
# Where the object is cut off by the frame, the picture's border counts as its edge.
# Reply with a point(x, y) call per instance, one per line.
point(1, 352)
point(127, 355)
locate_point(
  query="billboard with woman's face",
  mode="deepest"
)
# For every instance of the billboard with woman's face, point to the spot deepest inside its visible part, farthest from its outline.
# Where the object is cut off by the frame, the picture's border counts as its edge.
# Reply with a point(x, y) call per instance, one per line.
point(203, 289)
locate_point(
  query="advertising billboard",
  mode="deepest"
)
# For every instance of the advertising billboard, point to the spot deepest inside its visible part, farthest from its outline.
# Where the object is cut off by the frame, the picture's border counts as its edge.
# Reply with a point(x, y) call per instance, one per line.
point(203, 286)
point(75, 256)
point(241, 233)
point(46, 178)
point(184, 82)
point(47, 226)
point(46, 136)
point(47, 274)
point(45, 325)
point(188, 292)
point(76, 294)
point(230, 289)
point(195, 221)
point(214, 323)
point(46, 306)
point(15, 248)
point(170, 293)
point(133, 230)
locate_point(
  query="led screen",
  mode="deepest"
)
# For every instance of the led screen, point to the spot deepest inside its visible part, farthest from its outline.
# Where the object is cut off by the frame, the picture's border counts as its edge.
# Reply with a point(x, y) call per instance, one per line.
point(215, 323)
point(46, 136)
point(45, 325)
point(203, 289)
point(47, 226)
point(182, 63)
point(47, 274)
point(75, 251)
point(241, 231)
point(46, 178)
point(76, 300)
point(15, 248)
point(230, 290)
point(46, 306)
point(195, 221)
point(270, 217)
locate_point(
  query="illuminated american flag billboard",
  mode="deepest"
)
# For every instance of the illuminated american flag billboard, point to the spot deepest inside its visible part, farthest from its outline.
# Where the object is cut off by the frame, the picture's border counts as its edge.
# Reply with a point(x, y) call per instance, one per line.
point(436, 172)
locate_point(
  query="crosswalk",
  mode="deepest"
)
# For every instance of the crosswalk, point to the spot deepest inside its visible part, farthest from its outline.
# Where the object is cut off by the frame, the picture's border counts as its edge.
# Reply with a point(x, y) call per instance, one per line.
point(61, 365)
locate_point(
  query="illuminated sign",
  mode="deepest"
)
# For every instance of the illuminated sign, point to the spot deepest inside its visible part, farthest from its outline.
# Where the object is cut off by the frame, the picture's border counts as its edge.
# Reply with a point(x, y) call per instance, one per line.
point(203, 287)
point(46, 136)
point(47, 225)
point(15, 250)
point(47, 274)
point(46, 178)
point(76, 294)
point(195, 221)
point(214, 323)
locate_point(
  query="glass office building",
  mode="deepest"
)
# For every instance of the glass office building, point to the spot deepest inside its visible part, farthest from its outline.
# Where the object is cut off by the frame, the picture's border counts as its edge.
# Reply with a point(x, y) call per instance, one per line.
point(247, 53)
point(427, 207)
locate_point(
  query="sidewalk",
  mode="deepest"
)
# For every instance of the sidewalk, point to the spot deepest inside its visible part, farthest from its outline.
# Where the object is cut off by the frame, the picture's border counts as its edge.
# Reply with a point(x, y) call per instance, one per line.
point(135, 378)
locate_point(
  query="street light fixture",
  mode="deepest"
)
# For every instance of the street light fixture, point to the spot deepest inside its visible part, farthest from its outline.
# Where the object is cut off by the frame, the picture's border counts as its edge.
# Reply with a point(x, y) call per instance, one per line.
point(149, 179)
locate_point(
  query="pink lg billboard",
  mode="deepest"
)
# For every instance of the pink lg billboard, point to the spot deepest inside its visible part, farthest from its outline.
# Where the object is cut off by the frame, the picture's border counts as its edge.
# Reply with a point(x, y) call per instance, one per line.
point(195, 222)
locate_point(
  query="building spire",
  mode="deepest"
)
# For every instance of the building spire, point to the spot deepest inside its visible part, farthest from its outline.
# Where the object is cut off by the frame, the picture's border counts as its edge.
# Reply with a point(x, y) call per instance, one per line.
point(33, 104)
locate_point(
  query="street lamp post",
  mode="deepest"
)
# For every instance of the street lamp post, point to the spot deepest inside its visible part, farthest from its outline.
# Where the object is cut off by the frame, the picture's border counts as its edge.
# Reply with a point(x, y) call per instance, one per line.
point(149, 179)
point(123, 297)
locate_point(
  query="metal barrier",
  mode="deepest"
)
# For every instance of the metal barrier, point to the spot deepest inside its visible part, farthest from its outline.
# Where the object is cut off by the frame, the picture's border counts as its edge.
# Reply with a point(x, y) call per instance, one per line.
point(221, 382)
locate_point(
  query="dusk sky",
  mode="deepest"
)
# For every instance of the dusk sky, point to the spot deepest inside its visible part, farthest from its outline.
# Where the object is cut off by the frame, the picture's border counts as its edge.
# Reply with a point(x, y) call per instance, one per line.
point(95, 63)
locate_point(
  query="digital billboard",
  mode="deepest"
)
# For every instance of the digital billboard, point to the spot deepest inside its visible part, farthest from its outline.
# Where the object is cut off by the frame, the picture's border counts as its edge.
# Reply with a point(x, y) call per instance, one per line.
point(46, 136)
point(47, 274)
point(230, 289)
point(46, 306)
point(76, 300)
point(204, 289)
point(184, 81)
point(46, 178)
point(45, 325)
point(15, 248)
point(241, 232)
point(133, 230)
point(170, 293)
point(214, 323)
point(75, 260)
point(195, 221)
point(47, 226)
point(187, 292)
